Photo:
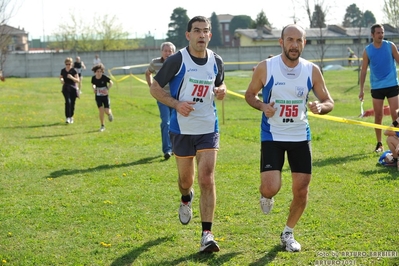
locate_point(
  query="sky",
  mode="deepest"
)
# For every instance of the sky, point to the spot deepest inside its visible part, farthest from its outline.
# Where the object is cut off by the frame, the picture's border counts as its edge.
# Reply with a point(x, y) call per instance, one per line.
point(42, 17)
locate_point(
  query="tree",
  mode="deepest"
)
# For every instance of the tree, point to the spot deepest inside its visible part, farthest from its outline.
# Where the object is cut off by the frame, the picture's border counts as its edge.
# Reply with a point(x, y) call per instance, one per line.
point(110, 35)
point(319, 21)
point(368, 18)
point(177, 27)
point(318, 18)
point(6, 40)
point(240, 22)
point(105, 35)
point(216, 39)
point(391, 11)
point(261, 20)
point(353, 17)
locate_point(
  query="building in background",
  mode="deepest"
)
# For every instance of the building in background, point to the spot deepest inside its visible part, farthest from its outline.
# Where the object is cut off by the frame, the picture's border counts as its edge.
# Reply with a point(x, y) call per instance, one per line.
point(224, 21)
point(15, 39)
point(330, 35)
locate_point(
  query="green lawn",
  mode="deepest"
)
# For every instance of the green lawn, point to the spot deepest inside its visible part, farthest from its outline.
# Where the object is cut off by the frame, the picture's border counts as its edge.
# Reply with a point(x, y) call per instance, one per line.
point(70, 195)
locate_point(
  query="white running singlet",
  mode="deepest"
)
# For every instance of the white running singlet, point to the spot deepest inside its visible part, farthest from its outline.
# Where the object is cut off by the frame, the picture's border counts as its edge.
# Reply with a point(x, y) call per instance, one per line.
point(289, 89)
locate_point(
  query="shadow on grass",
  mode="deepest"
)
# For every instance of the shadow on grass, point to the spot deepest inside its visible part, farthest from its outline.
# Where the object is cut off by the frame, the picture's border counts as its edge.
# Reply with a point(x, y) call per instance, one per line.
point(130, 257)
point(61, 135)
point(269, 256)
point(339, 160)
point(66, 172)
point(352, 88)
point(392, 172)
point(38, 126)
point(207, 258)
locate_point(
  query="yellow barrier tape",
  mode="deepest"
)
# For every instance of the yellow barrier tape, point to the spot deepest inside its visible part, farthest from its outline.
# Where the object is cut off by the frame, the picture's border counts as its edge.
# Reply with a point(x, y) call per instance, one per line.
point(327, 117)
point(139, 79)
point(337, 119)
point(352, 122)
point(314, 60)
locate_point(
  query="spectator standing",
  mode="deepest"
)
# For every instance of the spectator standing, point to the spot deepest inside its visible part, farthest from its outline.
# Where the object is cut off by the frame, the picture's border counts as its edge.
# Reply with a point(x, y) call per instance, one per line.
point(351, 54)
point(167, 48)
point(96, 60)
point(380, 55)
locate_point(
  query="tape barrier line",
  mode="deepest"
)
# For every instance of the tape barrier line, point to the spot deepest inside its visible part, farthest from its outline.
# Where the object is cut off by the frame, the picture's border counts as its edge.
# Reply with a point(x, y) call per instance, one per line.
point(139, 79)
point(336, 119)
point(352, 122)
point(326, 117)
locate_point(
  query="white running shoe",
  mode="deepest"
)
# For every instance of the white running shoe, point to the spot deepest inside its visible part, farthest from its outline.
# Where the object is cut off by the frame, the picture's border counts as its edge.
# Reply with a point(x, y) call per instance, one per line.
point(208, 243)
point(185, 211)
point(71, 120)
point(289, 243)
point(266, 204)
point(68, 120)
point(110, 117)
point(102, 128)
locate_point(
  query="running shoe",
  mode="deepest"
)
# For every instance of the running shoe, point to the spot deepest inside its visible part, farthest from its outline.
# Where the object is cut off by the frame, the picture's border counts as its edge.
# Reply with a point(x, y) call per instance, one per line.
point(266, 204)
point(185, 211)
point(167, 155)
point(289, 243)
point(379, 147)
point(208, 243)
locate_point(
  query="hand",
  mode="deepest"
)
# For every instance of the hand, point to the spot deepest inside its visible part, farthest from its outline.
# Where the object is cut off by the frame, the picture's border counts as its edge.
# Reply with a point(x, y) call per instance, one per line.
point(361, 96)
point(219, 93)
point(269, 109)
point(185, 108)
point(70, 76)
point(315, 107)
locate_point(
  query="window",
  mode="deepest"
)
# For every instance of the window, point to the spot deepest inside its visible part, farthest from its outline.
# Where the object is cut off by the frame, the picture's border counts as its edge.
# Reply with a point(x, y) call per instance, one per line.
point(226, 26)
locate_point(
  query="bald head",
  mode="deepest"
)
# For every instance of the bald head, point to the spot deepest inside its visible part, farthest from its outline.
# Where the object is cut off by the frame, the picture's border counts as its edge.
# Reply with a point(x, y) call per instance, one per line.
point(293, 28)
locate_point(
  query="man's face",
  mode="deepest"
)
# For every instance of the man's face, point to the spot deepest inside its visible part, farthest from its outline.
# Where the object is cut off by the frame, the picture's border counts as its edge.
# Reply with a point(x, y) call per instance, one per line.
point(293, 43)
point(166, 51)
point(378, 34)
point(199, 36)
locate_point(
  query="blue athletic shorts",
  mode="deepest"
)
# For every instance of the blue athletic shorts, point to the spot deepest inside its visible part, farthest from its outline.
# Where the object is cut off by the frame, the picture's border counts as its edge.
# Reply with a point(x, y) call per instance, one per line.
point(188, 145)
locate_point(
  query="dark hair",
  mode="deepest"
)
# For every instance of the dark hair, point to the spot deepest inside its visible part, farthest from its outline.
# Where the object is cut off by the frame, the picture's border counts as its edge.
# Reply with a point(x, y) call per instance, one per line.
point(97, 67)
point(374, 26)
point(200, 19)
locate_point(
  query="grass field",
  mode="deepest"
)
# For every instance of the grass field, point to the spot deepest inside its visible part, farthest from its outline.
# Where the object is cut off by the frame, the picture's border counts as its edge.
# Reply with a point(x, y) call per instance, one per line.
point(70, 195)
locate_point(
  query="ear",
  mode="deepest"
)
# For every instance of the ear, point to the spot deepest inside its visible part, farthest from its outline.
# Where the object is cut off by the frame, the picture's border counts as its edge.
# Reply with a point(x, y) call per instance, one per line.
point(281, 42)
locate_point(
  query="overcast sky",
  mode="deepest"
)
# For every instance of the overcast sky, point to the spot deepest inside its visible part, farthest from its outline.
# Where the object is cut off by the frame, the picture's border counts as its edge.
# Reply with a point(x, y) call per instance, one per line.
point(42, 17)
